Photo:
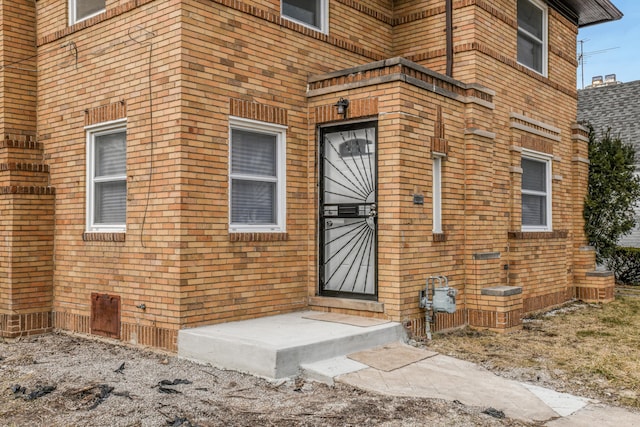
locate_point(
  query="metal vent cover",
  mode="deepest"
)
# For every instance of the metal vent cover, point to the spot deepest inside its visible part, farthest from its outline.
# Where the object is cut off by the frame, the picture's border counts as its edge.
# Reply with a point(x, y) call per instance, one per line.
point(105, 315)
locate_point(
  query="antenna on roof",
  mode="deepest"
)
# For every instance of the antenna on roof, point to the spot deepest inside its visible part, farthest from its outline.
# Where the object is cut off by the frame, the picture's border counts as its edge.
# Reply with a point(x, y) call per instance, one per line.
point(582, 55)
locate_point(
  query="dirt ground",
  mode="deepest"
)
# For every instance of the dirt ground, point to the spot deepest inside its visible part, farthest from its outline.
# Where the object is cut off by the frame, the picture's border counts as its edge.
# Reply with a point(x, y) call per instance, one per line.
point(69, 380)
point(65, 380)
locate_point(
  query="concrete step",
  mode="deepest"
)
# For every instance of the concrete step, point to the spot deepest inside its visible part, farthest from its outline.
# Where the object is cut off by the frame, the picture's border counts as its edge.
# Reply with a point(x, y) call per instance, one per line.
point(275, 347)
point(326, 370)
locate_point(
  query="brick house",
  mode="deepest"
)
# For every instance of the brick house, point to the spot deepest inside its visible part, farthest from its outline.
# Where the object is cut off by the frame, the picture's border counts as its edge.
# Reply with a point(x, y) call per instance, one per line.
point(615, 105)
point(168, 165)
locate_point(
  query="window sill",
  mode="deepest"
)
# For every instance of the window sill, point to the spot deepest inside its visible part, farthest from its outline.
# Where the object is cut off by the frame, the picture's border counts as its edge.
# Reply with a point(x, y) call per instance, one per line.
point(92, 236)
point(539, 235)
point(258, 237)
point(439, 237)
point(533, 70)
point(88, 21)
point(80, 20)
point(305, 25)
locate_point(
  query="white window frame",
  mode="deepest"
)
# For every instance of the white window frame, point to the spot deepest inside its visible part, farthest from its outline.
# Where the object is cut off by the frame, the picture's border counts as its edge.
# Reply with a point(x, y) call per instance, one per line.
point(437, 193)
point(547, 160)
point(115, 126)
point(324, 17)
point(73, 19)
point(280, 132)
point(544, 41)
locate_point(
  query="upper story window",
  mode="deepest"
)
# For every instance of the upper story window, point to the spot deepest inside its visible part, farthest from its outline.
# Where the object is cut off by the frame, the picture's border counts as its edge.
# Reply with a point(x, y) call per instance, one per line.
point(532, 35)
point(80, 10)
point(257, 172)
point(312, 13)
point(536, 192)
point(107, 177)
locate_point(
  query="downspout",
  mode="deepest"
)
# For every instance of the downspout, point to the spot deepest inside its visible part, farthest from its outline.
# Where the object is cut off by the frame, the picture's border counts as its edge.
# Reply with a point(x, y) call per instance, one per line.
point(449, 36)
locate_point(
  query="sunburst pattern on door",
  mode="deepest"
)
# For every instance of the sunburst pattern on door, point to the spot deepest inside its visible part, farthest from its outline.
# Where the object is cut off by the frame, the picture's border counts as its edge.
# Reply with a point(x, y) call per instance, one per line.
point(348, 211)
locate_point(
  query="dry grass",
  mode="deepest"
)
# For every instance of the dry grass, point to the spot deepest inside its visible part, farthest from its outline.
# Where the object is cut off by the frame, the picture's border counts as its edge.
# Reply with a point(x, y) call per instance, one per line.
point(584, 349)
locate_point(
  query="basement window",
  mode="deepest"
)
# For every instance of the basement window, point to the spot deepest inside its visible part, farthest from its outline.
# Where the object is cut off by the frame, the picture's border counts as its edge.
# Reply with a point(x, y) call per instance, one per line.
point(79, 10)
point(532, 35)
point(107, 177)
point(310, 13)
point(536, 192)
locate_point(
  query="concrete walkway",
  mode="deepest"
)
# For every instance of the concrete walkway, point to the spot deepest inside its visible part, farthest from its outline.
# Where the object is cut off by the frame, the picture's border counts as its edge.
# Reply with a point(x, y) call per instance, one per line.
point(441, 377)
point(369, 354)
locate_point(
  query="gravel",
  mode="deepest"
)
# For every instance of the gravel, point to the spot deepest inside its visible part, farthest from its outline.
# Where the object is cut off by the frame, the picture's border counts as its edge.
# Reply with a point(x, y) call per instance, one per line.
point(70, 380)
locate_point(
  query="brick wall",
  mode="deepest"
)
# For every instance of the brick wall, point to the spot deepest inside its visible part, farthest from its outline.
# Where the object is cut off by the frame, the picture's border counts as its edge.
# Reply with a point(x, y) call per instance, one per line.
point(27, 201)
point(176, 71)
point(18, 74)
point(109, 79)
point(177, 256)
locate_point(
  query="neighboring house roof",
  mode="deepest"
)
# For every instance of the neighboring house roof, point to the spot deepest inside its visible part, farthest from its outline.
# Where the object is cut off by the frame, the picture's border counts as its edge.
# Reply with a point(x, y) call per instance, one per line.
point(614, 106)
point(590, 12)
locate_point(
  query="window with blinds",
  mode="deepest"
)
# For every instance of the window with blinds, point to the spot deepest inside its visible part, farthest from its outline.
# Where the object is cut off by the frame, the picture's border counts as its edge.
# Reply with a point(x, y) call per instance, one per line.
point(536, 199)
point(106, 178)
point(83, 9)
point(256, 177)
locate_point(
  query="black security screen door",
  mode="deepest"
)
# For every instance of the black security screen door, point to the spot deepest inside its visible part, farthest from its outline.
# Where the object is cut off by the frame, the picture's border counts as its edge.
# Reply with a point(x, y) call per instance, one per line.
point(348, 212)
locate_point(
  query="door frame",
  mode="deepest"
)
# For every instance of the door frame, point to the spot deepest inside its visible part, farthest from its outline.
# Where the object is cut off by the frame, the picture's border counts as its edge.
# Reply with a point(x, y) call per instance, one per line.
point(322, 130)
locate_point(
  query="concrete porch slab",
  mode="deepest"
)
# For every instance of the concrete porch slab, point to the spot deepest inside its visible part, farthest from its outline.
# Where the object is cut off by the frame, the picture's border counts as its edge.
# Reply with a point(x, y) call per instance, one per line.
point(275, 346)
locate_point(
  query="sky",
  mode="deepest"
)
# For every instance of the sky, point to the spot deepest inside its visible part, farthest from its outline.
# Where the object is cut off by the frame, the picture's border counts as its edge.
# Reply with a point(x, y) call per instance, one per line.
point(613, 47)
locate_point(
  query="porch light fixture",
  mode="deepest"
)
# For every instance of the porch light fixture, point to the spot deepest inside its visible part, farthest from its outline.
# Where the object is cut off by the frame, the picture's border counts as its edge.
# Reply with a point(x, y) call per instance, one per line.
point(342, 105)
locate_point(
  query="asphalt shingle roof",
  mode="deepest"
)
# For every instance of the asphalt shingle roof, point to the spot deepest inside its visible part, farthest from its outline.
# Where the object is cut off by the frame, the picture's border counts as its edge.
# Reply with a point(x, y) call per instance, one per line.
point(616, 107)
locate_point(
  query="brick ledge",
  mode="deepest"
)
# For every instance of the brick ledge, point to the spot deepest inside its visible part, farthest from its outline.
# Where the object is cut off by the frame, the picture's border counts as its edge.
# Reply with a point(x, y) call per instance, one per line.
point(439, 237)
point(20, 189)
point(501, 291)
point(25, 145)
point(530, 235)
point(258, 237)
point(103, 237)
